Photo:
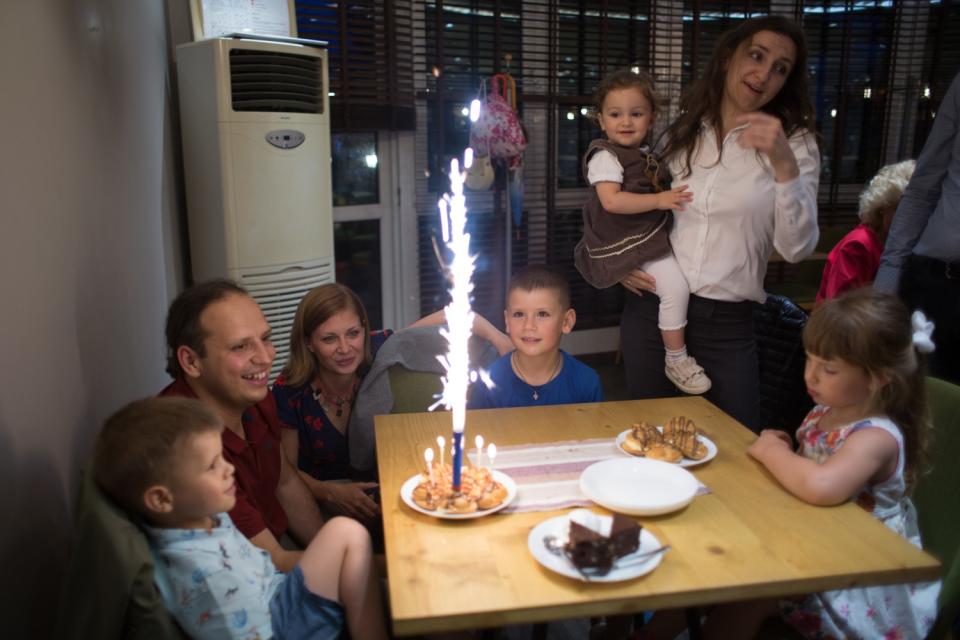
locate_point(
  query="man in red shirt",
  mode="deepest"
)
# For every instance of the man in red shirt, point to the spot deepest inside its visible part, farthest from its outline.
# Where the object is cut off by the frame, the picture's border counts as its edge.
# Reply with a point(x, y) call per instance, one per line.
point(220, 351)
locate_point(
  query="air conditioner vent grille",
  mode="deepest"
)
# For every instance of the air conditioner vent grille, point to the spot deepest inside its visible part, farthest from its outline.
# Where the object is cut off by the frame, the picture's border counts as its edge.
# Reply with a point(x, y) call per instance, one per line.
point(275, 82)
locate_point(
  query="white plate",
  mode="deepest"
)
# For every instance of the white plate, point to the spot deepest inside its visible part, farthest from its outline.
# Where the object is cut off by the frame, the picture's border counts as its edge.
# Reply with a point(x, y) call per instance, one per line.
point(685, 462)
point(559, 526)
point(406, 493)
point(638, 486)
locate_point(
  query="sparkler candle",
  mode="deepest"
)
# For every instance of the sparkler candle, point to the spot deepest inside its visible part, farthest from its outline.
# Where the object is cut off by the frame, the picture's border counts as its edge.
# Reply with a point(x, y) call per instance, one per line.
point(459, 315)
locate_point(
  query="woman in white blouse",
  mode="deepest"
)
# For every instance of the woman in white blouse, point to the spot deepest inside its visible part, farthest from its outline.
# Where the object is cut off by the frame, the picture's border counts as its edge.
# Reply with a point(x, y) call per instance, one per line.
point(744, 144)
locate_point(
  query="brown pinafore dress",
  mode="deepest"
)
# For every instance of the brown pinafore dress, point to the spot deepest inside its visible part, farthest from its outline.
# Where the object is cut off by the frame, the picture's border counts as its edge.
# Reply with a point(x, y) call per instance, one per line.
point(614, 244)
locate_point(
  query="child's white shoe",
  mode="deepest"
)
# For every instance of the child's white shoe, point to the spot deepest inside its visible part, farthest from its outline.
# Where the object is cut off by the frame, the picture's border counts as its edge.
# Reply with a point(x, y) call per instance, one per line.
point(688, 376)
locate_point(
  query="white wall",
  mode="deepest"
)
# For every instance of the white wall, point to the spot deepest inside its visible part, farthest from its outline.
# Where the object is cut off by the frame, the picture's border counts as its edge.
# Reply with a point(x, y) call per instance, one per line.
point(89, 258)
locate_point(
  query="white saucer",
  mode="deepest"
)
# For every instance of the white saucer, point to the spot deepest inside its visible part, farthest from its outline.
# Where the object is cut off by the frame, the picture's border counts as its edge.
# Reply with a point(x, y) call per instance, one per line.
point(638, 486)
point(559, 526)
point(685, 462)
point(406, 493)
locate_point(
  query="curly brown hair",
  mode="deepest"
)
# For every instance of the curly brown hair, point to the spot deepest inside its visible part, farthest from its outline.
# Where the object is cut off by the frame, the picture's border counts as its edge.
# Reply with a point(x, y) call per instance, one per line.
point(702, 101)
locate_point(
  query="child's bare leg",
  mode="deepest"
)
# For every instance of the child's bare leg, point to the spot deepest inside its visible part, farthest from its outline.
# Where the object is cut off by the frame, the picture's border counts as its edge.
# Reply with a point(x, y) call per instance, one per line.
point(673, 339)
point(338, 565)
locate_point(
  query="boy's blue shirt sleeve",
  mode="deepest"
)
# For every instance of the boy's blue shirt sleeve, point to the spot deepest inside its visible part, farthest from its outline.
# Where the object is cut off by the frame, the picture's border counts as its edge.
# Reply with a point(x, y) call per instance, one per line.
point(479, 397)
point(597, 394)
point(482, 397)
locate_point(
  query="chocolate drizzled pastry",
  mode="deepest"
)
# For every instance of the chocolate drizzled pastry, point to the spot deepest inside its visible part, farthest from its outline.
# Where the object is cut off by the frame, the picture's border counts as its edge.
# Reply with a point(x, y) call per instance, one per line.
point(588, 549)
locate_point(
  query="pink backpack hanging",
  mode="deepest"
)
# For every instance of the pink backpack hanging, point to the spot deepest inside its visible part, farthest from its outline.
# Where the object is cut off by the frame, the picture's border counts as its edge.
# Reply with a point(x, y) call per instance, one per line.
point(498, 127)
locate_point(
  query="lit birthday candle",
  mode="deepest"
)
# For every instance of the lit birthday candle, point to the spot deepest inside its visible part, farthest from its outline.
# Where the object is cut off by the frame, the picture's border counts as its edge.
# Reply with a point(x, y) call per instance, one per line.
point(491, 454)
point(459, 315)
point(441, 445)
point(428, 456)
point(479, 442)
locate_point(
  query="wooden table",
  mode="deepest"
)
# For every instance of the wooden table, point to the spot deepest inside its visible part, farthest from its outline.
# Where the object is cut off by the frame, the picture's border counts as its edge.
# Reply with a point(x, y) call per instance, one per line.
point(749, 538)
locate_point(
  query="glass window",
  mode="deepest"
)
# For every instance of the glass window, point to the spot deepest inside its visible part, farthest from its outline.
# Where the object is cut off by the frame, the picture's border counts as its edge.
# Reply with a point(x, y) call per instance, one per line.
point(355, 170)
point(576, 128)
point(357, 250)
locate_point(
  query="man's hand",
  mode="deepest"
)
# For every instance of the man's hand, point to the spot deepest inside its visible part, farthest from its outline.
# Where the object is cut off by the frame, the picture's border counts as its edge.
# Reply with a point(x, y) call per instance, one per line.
point(350, 499)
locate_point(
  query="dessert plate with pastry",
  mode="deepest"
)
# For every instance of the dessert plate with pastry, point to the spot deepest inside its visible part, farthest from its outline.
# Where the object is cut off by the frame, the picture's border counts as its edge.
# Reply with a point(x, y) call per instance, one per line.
point(482, 492)
point(595, 548)
point(678, 442)
point(638, 486)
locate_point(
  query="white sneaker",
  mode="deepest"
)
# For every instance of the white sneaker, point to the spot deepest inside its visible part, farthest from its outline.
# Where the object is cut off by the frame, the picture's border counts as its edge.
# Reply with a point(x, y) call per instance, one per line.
point(688, 376)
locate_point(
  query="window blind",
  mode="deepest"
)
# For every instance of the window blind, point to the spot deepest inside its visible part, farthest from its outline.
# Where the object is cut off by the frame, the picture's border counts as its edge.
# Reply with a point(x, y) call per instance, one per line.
point(370, 60)
point(877, 71)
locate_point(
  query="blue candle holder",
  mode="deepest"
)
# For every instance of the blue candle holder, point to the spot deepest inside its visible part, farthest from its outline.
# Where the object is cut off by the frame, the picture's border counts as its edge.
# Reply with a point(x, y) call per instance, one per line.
point(457, 459)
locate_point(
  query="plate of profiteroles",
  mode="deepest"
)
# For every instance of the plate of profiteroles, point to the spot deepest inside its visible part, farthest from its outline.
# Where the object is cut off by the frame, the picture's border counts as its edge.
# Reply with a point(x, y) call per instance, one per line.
point(482, 491)
point(678, 442)
point(595, 548)
point(638, 486)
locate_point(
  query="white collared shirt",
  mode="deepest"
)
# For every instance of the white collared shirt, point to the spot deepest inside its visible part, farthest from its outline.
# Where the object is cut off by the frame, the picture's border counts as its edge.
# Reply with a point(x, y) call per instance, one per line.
point(739, 214)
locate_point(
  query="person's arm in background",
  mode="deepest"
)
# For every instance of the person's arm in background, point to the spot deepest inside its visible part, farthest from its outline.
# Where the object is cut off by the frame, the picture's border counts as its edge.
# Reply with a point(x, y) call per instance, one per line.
point(283, 559)
point(795, 231)
point(482, 328)
point(303, 514)
point(251, 524)
point(347, 498)
point(922, 194)
point(847, 270)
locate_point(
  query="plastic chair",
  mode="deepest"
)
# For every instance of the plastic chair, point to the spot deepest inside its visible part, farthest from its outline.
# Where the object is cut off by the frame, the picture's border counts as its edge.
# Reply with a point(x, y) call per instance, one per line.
point(109, 591)
point(936, 499)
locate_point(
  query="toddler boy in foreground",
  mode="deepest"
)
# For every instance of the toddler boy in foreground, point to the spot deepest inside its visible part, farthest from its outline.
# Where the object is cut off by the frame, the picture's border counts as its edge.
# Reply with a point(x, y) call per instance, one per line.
point(162, 459)
point(538, 371)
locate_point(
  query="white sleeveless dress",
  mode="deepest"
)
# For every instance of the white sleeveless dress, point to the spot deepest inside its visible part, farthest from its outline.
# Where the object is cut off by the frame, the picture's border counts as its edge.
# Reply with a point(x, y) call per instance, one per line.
point(895, 611)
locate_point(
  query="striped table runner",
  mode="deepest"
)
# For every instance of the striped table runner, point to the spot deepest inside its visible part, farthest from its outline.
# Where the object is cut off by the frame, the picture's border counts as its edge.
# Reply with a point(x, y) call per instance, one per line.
point(548, 475)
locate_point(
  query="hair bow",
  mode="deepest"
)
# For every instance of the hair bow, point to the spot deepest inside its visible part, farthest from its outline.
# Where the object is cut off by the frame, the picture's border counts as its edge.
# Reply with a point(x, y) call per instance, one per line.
point(922, 332)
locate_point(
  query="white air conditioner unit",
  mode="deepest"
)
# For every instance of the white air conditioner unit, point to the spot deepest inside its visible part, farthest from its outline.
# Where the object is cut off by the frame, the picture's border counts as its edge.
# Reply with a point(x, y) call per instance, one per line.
point(255, 124)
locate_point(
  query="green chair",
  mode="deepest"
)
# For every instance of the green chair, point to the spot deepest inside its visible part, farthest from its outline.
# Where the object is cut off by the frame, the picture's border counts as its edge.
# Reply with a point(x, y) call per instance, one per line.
point(108, 591)
point(413, 391)
point(936, 498)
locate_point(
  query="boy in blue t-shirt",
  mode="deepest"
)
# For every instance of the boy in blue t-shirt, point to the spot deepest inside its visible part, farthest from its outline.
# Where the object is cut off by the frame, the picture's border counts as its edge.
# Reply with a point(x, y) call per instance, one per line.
point(537, 372)
point(162, 459)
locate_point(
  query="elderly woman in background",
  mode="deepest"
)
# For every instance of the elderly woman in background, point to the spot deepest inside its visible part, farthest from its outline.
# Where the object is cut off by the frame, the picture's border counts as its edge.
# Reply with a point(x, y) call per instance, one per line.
point(331, 349)
point(854, 261)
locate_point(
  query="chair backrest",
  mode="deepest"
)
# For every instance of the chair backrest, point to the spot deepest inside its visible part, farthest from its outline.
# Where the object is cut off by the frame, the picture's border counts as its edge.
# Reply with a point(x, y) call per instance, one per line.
point(935, 497)
point(778, 325)
point(109, 591)
point(413, 391)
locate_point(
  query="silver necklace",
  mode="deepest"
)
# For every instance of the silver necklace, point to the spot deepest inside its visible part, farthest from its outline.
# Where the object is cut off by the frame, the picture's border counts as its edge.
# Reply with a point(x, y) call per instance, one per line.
point(523, 377)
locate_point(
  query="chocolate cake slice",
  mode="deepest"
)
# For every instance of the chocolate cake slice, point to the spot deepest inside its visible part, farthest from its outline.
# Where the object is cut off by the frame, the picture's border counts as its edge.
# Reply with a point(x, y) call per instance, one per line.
point(624, 535)
point(588, 549)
